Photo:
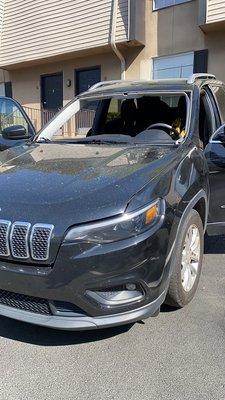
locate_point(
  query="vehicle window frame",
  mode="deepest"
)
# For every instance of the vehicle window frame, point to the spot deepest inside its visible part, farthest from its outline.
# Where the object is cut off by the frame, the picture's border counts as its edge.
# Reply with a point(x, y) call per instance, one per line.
point(97, 120)
point(31, 130)
point(124, 95)
point(211, 108)
point(205, 101)
point(215, 99)
point(216, 107)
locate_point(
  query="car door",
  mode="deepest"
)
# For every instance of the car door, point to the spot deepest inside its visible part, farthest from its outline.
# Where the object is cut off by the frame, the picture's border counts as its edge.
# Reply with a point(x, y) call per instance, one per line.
point(215, 155)
point(12, 115)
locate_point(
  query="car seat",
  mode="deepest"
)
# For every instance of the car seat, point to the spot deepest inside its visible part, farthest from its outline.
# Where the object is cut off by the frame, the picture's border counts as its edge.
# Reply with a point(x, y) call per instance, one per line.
point(126, 124)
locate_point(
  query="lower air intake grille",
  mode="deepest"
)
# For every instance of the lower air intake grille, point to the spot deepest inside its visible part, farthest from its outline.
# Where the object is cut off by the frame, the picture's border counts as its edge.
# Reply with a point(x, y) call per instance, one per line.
point(26, 303)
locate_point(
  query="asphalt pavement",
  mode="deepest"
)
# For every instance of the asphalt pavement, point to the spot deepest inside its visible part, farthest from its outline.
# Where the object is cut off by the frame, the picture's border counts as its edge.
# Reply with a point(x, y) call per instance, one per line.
point(180, 355)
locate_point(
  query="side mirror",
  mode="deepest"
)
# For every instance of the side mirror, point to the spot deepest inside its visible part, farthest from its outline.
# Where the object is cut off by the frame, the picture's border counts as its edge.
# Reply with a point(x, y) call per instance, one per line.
point(219, 135)
point(15, 132)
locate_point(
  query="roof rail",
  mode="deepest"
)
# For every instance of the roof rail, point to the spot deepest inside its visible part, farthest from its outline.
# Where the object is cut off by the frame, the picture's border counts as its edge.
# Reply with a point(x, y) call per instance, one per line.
point(194, 77)
point(103, 83)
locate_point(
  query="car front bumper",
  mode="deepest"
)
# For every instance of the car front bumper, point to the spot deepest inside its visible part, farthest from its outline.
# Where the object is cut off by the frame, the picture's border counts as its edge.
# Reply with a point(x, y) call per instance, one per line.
point(84, 323)
point(77, 271)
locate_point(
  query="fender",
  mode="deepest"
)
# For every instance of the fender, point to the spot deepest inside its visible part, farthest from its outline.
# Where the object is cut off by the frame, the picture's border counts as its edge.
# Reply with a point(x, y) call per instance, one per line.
point(191, 204)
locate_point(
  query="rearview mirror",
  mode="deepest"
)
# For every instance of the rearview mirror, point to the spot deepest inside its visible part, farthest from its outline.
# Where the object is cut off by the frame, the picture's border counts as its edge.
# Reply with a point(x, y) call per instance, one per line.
point(219, 135)
point(15, 132)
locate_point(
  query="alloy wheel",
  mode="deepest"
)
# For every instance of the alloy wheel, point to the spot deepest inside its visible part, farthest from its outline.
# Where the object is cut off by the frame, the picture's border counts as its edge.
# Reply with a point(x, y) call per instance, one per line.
point(190, 258)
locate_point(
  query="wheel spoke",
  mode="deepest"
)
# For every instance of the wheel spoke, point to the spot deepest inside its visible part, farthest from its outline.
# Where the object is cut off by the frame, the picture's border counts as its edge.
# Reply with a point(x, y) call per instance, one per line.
point(194, 256)
point(194, 269)
point(190, 258)
point(195, 244)
point(185, 277)
point(183, 273)
point(194, 237)
point(188, 238)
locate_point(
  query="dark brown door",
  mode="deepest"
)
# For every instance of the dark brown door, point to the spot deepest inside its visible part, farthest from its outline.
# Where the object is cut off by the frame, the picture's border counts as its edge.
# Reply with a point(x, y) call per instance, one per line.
point(51, 94)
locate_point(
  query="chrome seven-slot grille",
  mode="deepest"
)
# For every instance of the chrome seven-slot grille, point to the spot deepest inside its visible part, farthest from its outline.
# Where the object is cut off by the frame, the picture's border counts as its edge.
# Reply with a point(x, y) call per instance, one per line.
point(22, 241)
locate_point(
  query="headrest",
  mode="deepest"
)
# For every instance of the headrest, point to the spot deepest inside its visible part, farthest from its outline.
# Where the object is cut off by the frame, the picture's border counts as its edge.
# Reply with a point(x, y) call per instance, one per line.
point(128, 110)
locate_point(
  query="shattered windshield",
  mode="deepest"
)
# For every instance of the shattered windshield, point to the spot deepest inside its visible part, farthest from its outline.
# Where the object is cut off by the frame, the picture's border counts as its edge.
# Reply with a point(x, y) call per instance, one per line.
point(144, 118)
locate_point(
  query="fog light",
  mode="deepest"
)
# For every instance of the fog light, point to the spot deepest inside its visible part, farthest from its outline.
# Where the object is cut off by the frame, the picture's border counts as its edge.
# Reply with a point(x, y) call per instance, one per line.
point(117, 296)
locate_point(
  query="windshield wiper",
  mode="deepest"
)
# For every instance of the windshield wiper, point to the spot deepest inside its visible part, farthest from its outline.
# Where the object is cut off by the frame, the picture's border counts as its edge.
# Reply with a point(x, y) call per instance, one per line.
point(99, 141)
point(84, 141)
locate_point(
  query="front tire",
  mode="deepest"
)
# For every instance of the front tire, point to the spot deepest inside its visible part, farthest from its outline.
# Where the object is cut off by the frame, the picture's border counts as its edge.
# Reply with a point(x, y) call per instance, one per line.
point(187, 262)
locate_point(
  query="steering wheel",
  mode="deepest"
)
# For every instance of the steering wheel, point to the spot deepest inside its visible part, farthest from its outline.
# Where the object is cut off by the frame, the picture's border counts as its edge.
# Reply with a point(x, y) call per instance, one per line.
point(165, 127)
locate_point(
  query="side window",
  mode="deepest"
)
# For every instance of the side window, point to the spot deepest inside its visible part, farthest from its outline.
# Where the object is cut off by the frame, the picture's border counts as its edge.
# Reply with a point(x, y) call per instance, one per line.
point(11, 115)
point(114, 110)
point(219, 94)
point(207, 118)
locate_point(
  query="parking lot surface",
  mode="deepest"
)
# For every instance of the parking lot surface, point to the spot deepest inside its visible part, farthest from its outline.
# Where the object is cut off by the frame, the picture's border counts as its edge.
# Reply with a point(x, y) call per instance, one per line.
point(179, 355)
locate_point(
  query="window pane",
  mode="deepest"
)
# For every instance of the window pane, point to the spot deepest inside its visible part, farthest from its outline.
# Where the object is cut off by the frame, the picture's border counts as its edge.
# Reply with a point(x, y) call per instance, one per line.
point(114, 110)
point(166, 3)
point(11, 115)
point(186, 71)
point(167, 73)
point(163, 3)
point(116, 116)
point(80, 123)
point(177, 66)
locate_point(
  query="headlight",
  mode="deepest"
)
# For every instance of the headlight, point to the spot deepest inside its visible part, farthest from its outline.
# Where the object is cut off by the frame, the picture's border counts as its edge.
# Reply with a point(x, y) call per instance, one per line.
point(115, 229)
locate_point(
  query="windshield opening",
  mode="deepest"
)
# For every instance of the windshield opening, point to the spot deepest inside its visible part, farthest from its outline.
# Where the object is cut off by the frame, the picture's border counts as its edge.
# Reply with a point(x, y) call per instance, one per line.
point(142, 118)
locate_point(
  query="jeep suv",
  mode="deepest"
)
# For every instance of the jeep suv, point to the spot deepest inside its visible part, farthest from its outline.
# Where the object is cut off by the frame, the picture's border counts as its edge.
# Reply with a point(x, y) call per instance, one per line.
point(100, 226)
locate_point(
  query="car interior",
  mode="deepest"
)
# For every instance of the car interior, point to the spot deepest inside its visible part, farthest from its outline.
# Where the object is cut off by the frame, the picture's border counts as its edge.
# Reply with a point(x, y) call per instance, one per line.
point(154, 118)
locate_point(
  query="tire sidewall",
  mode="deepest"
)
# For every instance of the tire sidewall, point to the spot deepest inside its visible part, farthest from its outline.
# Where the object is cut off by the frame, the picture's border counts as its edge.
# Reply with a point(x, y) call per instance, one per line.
point(176, 287)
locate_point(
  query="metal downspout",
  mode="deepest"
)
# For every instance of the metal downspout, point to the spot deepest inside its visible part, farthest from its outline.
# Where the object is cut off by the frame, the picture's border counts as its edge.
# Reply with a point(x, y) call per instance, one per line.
point(113, 39)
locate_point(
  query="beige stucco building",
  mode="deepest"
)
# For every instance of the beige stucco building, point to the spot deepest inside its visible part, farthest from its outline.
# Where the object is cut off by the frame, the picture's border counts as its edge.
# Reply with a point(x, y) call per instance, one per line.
point(52, 49)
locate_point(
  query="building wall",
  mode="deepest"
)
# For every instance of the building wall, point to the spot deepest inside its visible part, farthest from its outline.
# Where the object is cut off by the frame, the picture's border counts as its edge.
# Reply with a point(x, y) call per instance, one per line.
point(26, 81)
point(169, 31)
point(37, 29)
point(215, 11)
point(177, 29)
point(174, 30)
point(216, 63)
point(1, 14)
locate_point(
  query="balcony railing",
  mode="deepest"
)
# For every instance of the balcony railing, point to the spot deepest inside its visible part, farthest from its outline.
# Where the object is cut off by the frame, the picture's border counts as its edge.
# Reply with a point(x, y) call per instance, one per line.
point(77, 125)
point(38, 117)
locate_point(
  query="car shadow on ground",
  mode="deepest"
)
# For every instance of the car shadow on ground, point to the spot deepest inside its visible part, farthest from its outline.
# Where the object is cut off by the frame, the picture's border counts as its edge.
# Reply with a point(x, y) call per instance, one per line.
point(27, 333)
point(40, 336)
point(165, 308)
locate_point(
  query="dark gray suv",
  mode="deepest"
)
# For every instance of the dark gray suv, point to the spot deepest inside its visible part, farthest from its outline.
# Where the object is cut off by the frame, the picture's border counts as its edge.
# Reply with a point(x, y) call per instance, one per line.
point(98, 227)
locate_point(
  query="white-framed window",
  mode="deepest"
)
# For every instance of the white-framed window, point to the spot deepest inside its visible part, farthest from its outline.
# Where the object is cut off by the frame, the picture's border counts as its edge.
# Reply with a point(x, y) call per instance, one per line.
point(175, 66)
point(157, 4)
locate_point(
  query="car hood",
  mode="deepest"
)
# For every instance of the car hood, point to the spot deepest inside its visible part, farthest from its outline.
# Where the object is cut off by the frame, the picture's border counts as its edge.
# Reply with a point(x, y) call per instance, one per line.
point(67, 184)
